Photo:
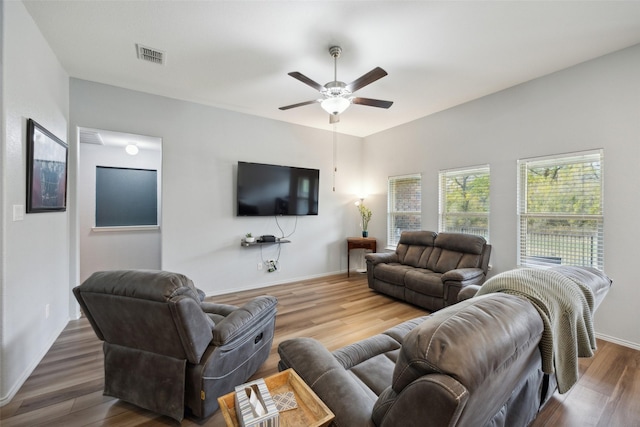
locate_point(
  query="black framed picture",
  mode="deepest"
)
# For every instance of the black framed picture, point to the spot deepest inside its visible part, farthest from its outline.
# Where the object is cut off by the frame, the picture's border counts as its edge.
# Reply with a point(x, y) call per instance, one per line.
point(46, 170)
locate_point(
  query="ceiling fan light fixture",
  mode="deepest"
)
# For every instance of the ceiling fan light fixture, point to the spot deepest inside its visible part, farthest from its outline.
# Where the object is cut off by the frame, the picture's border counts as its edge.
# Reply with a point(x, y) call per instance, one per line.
point(336, 96)
point(335, 105)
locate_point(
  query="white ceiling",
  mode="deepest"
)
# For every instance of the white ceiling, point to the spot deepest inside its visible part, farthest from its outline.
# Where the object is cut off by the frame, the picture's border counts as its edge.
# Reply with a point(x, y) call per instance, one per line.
point(119, 139)
point(236, 54)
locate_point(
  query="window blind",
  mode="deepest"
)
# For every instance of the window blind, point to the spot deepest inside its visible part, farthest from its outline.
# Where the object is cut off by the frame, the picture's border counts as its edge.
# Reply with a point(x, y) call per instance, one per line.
point(404, 206)
point(560, 209)
point(464, 201)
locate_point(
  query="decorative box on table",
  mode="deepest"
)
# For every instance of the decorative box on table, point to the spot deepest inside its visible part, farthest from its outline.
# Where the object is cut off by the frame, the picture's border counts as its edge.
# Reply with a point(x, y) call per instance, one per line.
point(255, 405)
point(310, 411)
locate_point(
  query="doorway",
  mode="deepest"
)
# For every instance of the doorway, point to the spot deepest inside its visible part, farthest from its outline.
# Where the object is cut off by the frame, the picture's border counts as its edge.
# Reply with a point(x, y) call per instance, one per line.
point(119, 245)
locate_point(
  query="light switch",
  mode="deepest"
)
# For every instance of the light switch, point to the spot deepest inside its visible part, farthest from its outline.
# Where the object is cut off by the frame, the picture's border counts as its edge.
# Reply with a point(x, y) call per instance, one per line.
point(18, 212)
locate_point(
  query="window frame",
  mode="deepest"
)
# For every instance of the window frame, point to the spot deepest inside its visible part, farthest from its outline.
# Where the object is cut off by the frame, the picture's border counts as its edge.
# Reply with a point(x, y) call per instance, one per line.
point(393, 236)
point(595, 239)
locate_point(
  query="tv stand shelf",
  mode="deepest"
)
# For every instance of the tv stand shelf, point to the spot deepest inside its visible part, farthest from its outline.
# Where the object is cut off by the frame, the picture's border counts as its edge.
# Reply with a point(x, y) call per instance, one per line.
point(258, 243)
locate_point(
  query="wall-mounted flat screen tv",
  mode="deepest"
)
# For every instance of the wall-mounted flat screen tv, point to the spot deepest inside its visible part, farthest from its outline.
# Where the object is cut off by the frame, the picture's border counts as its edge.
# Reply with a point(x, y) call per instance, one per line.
point(266, 190)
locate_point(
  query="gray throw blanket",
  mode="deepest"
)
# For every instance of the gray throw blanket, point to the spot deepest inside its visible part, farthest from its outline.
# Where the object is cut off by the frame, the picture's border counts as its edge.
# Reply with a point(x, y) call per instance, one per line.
point(566, 308)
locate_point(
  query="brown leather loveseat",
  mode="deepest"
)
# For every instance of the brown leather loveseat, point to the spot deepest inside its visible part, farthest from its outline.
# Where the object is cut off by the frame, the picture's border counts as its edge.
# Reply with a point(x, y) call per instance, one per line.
point(429, 269)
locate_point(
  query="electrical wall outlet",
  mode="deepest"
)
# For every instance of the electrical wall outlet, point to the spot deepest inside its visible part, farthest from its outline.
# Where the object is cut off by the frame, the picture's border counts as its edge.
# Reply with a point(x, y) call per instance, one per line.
point(260, 266)
point(47, 310)
point(272, 266)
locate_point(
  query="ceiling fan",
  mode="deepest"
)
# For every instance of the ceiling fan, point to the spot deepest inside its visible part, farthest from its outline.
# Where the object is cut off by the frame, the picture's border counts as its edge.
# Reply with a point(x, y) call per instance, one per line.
point(336, 95)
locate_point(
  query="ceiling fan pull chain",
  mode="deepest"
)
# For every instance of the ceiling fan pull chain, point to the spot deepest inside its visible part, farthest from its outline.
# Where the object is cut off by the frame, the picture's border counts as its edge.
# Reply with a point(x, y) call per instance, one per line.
point(335, 154)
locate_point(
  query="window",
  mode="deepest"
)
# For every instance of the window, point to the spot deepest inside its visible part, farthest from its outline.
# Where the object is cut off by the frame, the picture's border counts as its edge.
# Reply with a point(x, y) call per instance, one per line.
point(561, 211)
point(464, 201)
point(404, 206)
point(126, 197)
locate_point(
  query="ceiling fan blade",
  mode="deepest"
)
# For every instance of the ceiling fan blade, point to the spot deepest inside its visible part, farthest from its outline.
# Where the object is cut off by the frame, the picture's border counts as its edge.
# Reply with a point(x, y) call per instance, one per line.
point(368, 78)
point(306, 80)
point(300, 104)
point(334, 118)
point(372, 102)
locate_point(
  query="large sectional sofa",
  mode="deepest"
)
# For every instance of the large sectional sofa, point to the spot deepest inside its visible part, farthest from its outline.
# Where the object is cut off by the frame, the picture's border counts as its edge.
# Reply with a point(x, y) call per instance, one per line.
point(475, 363)
point(429, 269)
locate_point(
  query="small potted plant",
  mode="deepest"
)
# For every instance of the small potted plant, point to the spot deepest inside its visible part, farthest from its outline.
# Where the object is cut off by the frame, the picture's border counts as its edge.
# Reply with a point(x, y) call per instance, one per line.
point(249, 238)
point(365, 215)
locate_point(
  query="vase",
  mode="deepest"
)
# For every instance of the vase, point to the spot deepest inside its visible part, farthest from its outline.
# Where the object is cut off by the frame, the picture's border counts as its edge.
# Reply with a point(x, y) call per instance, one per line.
point(365, 233)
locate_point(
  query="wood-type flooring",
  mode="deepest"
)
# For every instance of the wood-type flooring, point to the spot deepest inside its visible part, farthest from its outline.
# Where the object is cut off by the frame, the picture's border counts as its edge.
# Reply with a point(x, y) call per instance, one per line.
point(66, 387)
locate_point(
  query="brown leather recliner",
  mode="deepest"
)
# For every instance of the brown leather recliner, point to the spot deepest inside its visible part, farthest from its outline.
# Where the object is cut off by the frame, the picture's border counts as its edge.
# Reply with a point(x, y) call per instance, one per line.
point(164, 348)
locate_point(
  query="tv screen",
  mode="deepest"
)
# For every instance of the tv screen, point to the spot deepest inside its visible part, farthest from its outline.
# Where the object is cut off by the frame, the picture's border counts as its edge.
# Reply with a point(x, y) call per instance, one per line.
point(265, 190)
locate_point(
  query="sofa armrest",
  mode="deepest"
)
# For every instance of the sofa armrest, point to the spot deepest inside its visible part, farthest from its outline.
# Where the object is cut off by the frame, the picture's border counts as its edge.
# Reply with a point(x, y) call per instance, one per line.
point(467, 292)
point(594, 279)
point(447, 399)
point(456, 280)
point(464, 275)
point(381, 257)
point(244, 319)
point(220, 309)
point(328, 379)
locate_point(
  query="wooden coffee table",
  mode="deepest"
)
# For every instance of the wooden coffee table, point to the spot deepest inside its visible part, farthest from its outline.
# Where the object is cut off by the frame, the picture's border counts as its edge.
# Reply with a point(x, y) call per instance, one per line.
point(311, 411)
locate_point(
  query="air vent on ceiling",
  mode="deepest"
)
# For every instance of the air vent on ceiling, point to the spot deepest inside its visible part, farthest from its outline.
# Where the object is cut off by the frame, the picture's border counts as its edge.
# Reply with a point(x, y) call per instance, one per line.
point(150, 54)
point(88, 136)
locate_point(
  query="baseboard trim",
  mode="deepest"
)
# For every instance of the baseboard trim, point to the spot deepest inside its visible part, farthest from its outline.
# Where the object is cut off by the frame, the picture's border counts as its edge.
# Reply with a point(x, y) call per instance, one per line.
point(4, 400)
point(618, 341)
point(275, 283)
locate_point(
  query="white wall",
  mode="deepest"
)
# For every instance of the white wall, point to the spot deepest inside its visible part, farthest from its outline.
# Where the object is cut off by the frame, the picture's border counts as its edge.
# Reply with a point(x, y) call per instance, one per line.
point(35, 250)
point(201, 147)
point(592, 105)
point(3, 395)
point(122, 249)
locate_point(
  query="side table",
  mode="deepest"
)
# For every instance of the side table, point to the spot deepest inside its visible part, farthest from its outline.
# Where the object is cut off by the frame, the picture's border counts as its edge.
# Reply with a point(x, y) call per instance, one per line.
point(359, 243)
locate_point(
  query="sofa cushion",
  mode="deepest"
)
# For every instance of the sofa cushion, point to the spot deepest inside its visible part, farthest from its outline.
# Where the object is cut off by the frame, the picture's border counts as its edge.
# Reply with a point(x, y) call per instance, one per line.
point(424, 282)
point(376, 372)
point(456, 250)
point(450, 341)
point(421, 238)
point(371, 361)
point(470, 261)
point(412, 245)
point(412, 255)
point(142, 284)
point(447, 260)
point(392, 273)
point(459, 242)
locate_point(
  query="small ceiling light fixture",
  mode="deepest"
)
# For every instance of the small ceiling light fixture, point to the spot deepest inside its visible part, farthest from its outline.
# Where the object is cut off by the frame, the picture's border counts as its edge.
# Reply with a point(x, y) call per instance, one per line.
point(131, 149)
point(335, 105)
